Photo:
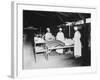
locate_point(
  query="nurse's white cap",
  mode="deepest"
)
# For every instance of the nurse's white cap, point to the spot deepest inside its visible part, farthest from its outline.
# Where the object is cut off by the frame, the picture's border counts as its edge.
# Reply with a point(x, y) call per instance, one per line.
point(48, 28)
point(75, 28)
point(60, 29)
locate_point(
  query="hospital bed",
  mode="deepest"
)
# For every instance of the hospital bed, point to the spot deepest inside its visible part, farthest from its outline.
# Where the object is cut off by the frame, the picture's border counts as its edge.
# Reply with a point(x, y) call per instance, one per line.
point(47, 46)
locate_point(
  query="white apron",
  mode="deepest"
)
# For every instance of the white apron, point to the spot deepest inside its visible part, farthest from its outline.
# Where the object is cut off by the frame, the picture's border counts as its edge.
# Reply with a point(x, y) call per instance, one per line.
point(77, 44)
point(60, 37)
point(48, 36)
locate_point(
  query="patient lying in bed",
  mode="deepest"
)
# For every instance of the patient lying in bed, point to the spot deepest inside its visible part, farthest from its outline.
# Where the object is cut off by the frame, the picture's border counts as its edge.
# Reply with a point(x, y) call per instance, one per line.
point(57, 43)
point(54, 43)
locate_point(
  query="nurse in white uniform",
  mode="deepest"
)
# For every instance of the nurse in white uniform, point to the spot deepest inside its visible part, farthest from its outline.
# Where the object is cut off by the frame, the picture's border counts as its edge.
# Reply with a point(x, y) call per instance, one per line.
point(48, 35)
point(60, 37)
point(77, 43)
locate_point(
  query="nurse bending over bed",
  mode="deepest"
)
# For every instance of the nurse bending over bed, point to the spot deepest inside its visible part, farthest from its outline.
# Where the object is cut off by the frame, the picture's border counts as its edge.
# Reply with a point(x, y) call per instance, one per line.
point(49, 36)
point(60, 37)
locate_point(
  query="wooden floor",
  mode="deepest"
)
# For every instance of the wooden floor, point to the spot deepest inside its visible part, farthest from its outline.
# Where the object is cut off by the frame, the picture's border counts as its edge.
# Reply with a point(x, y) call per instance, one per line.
point(54, 59)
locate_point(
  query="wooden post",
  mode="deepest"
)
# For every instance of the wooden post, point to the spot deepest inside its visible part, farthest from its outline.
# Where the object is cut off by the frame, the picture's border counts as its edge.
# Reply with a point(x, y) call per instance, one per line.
point(69, 31)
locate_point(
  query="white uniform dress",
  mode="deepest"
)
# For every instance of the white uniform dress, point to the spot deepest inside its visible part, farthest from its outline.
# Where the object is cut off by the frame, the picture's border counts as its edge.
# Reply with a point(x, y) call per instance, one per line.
point(48, 36)
point(60, 37)
point(77, 44)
